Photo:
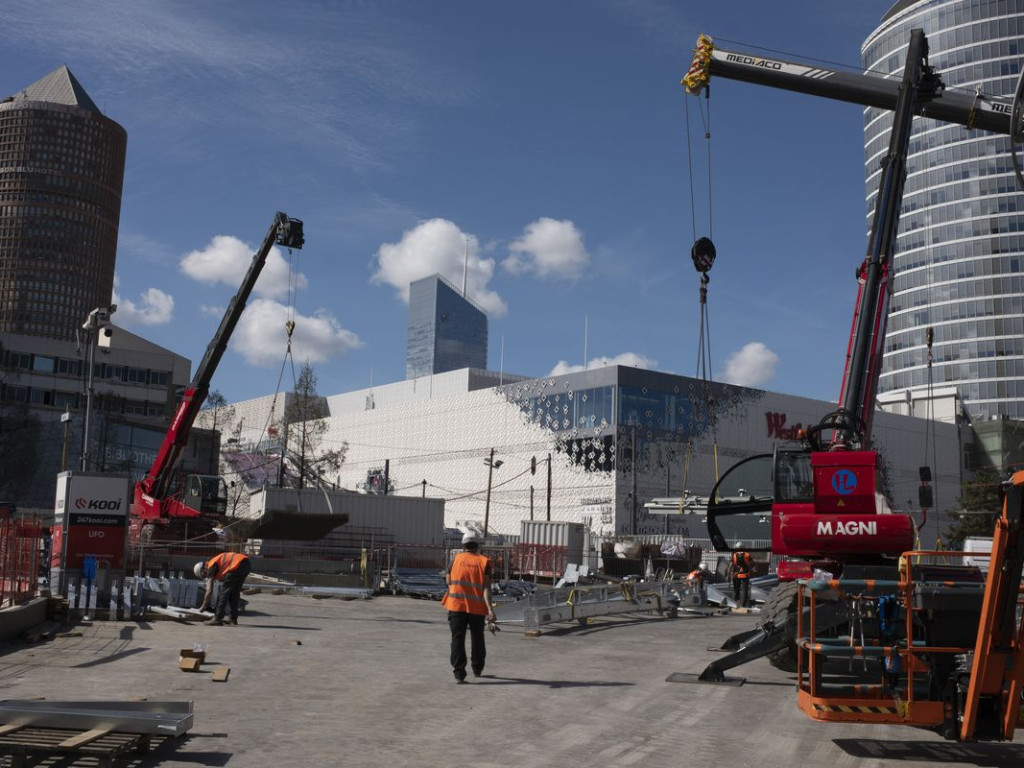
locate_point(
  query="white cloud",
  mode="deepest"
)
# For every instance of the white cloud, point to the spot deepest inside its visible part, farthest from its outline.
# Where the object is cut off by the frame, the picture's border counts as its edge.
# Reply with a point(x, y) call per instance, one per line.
point(752, 366)
point(153, 308)
point(630, 359)
point(226, 260)
point(261, 338)
point(438, 246)
point(548, 248)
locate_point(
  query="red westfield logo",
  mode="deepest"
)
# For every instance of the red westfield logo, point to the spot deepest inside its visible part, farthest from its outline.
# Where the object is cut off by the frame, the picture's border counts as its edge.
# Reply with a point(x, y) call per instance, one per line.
point(777, 427)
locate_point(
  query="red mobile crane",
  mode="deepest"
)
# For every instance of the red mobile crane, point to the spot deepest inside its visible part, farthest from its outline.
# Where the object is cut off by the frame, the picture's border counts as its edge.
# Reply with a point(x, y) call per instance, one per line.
point(826, 500)
point(201, 501)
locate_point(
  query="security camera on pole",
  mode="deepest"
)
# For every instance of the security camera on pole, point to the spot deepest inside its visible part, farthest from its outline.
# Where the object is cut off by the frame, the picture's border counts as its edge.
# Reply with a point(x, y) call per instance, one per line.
point(97, 332)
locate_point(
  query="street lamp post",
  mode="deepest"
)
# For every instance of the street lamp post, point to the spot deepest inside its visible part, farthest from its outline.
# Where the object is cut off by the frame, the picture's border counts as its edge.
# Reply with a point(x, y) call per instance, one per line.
point(492, 465)
point(96, 328)
point(65, 419)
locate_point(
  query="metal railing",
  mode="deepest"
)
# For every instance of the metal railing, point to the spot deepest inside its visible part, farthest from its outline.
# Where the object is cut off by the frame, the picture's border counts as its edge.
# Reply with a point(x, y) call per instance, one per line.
point(20, 555)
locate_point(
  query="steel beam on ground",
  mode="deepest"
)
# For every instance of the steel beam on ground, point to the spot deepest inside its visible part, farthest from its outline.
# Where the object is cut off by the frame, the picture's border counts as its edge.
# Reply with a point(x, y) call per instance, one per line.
point(164, 718)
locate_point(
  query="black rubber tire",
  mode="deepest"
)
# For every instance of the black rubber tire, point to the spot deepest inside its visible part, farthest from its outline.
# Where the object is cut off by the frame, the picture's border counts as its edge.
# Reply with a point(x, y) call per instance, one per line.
point(780, 608)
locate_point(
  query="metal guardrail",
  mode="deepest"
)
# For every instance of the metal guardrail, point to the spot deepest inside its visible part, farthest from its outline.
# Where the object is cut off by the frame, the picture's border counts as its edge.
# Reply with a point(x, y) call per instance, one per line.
point(564, 604)
point(20, 556)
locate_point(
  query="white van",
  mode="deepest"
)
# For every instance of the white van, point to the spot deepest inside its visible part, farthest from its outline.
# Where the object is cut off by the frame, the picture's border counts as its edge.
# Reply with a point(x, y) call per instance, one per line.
point(977, 544)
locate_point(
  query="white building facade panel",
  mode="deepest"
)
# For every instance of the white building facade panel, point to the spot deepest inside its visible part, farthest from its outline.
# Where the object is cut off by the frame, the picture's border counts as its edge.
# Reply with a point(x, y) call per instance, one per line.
point(591, 424)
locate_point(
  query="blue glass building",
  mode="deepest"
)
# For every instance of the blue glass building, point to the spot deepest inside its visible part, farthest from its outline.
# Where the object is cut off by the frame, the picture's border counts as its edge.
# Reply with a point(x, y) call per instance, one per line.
point(447, 331)
point(961, 237)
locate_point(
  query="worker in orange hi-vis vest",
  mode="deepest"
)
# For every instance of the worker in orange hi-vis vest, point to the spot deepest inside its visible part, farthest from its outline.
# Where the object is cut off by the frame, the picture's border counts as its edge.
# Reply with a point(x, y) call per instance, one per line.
point(740, 569)
point(468, 602)
point(695, 579)
point(230, 569)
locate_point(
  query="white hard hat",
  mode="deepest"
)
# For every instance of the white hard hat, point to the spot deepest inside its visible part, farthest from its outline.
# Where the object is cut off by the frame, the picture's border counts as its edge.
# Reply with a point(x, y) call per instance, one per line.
point(198, 569)
point(469, 536)
point(741, 545)
point(703, 566)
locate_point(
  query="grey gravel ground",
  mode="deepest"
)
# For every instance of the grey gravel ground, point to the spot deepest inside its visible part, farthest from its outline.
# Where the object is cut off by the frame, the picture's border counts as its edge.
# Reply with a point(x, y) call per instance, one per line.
point(370, 685)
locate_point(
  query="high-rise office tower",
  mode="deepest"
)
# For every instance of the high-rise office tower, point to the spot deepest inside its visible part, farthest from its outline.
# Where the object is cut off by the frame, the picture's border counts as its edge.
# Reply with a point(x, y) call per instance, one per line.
point(961, 240)
point(61, 173)
point(447, 331)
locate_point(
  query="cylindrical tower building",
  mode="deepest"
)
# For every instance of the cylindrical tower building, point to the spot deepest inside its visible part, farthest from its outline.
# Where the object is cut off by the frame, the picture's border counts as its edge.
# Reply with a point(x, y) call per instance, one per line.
point(961, 238)
point(61, 174)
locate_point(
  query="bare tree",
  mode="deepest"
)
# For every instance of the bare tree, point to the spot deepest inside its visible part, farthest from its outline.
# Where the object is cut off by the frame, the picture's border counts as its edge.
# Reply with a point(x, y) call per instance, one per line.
point(304, 428)
point(220, 415)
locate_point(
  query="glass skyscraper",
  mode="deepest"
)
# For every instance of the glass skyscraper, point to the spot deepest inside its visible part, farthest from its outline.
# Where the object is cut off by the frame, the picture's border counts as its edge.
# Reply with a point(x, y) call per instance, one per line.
point(447, 331)
point(961, 237)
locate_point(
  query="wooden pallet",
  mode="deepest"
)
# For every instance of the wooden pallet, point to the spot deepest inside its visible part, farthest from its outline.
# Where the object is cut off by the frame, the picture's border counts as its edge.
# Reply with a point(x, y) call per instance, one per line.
point(105, 746)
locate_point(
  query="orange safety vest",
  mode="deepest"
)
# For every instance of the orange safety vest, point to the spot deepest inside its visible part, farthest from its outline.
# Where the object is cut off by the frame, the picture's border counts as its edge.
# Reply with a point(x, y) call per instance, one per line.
point(741, 565)
point(696, 576)
point(225, 563)
point(466, 582)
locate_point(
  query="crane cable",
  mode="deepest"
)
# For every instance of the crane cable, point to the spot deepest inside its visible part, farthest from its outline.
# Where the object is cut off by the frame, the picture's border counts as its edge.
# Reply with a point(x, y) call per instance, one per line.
point(289, 327)
point(930, 463)
point(929, 469)
point(703, 255)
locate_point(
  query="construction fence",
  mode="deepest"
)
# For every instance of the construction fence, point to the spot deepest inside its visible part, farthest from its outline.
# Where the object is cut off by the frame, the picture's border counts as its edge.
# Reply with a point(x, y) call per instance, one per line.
point(371, 555)
point(621, 556)
point(21, 542)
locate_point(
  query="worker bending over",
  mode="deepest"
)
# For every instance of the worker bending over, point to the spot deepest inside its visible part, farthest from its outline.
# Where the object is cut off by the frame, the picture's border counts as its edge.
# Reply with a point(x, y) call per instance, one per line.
point(230, 569)
point(696, 578)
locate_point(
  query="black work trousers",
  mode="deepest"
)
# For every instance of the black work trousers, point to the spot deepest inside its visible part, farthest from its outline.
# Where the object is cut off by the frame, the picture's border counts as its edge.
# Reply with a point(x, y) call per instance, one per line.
point(231, 591)
point(741, 591)
point(459, 622)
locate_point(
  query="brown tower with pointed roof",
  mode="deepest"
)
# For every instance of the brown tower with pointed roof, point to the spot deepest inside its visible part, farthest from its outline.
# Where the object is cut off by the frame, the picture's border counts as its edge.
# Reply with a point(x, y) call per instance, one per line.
point(61, 173)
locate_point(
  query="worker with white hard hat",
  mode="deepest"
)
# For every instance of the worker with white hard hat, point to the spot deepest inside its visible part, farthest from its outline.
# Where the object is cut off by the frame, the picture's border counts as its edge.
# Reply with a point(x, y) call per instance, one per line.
point(468, 602)
point(696, 579)
point(230, 569)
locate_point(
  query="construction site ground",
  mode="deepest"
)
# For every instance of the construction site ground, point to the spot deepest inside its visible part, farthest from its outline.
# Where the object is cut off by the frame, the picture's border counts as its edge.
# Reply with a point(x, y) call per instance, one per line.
point(367, 683)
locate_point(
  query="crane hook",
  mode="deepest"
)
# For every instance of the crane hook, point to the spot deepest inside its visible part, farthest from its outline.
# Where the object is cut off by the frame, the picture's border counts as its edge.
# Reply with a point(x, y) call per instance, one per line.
point(703, 254)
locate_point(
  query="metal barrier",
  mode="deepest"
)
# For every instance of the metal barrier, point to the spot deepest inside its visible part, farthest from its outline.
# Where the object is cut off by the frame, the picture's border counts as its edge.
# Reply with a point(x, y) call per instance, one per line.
point(678, 553)
point(20, 543)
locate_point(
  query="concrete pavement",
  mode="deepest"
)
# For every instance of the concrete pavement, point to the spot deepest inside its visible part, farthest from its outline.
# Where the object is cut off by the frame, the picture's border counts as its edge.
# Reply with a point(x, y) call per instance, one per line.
point(370, 685)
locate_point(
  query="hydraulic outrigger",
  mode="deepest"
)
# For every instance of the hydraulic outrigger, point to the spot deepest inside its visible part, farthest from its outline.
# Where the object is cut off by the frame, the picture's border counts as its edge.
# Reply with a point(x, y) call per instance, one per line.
point(833, 485)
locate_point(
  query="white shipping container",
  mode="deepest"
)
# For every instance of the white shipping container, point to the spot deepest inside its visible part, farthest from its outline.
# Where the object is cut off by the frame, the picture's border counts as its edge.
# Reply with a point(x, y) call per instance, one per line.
point(554, 533)
point(404, 520)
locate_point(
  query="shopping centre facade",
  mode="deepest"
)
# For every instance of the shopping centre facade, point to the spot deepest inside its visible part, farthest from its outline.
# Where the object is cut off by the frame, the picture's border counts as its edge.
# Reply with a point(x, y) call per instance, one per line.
point(434, 436)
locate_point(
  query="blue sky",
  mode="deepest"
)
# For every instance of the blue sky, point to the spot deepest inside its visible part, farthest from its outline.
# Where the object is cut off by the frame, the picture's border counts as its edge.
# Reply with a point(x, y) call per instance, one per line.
point(548, 137)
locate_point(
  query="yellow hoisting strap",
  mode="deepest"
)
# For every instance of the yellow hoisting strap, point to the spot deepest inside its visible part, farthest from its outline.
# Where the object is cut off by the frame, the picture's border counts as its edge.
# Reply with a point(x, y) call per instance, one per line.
point(699, 74)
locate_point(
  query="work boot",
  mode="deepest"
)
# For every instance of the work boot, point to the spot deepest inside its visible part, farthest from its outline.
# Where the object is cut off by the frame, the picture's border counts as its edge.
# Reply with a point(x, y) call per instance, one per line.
point(478, 672)
point(234, 620)
point(214, 622)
